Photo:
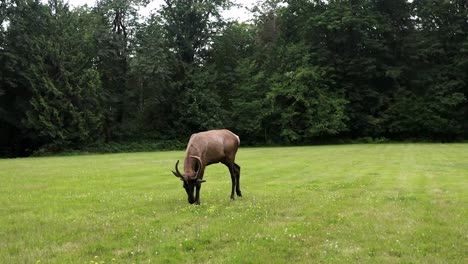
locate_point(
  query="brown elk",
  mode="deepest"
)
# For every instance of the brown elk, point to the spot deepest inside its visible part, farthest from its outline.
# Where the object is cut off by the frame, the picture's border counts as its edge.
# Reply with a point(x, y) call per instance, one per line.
point(207, 148)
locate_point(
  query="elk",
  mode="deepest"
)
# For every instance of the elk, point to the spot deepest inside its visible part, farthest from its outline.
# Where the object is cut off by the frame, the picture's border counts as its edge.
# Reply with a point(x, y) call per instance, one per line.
point(207, 148)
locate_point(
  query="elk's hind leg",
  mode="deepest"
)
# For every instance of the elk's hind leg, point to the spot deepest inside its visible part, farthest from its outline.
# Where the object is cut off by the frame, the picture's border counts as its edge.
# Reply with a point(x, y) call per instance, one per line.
point(237, 173)
point(232, 171)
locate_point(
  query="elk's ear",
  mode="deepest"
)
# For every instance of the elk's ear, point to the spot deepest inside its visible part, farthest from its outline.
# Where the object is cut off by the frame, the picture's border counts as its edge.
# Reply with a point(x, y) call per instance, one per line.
point(200, 181)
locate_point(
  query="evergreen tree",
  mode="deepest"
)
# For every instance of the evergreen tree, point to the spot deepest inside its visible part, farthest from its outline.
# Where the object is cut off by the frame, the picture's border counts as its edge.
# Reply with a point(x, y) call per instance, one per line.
point(51, 82)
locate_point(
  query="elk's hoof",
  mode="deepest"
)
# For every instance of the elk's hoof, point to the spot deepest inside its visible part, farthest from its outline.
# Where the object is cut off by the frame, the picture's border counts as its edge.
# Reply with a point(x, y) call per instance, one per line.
point(239, 193)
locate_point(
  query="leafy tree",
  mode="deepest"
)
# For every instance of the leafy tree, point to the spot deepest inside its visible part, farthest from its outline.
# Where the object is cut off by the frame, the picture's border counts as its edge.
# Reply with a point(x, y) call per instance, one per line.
point(115, 28)
point(295, 96)
point(190, 27)
point(230, 49)
point(434, 103)
point(308, 107)
point(253, 114)
point(153, 88)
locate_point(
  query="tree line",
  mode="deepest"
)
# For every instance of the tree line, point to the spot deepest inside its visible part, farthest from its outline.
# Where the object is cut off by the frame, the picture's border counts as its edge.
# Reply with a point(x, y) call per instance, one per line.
point(302, 71)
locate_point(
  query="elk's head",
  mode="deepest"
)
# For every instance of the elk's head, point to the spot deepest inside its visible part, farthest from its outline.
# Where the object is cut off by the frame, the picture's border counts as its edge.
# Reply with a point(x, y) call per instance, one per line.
point(190, 182)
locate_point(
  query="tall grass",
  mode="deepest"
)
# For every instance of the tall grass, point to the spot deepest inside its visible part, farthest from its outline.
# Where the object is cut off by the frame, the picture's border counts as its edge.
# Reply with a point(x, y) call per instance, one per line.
point(381, 203)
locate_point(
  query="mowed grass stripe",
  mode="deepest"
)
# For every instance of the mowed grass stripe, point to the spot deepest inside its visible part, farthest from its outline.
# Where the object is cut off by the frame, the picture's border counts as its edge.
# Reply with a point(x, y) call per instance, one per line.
point(349, 203)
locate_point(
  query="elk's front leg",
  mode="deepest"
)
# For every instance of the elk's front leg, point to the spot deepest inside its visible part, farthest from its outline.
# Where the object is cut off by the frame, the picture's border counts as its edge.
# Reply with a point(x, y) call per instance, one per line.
point(197, 194)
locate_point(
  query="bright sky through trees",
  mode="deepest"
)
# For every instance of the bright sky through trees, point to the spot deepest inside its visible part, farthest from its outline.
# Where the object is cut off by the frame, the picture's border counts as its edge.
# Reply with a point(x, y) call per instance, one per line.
point(239, 13)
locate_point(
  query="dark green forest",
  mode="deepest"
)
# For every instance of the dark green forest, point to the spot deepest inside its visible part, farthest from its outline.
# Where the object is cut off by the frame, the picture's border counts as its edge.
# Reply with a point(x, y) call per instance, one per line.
point(300, 72)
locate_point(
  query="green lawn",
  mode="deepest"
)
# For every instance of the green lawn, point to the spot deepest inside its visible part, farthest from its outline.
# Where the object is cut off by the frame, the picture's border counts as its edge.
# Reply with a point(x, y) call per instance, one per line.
point(348, 203)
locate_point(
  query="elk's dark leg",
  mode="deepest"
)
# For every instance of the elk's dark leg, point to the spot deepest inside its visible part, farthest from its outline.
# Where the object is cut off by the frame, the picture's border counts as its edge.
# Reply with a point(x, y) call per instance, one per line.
point(197, 194)
point(233, 179)
point(237, 173)
point(198, 185)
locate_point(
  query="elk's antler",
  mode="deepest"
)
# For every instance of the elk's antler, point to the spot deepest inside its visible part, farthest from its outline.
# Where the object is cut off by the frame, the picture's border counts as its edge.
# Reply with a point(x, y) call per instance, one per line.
point(177, 173)
point(199, 166)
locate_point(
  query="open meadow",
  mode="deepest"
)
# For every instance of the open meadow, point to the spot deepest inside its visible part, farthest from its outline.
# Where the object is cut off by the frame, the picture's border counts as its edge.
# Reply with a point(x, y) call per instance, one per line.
point(383, 203)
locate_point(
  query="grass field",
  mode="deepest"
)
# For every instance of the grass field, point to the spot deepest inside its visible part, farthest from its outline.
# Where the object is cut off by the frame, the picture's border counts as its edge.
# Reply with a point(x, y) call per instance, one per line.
point(395, 203)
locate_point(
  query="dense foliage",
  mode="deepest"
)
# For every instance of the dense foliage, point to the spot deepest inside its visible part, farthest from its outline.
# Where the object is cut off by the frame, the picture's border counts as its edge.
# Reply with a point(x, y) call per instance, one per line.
point(301, 71)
